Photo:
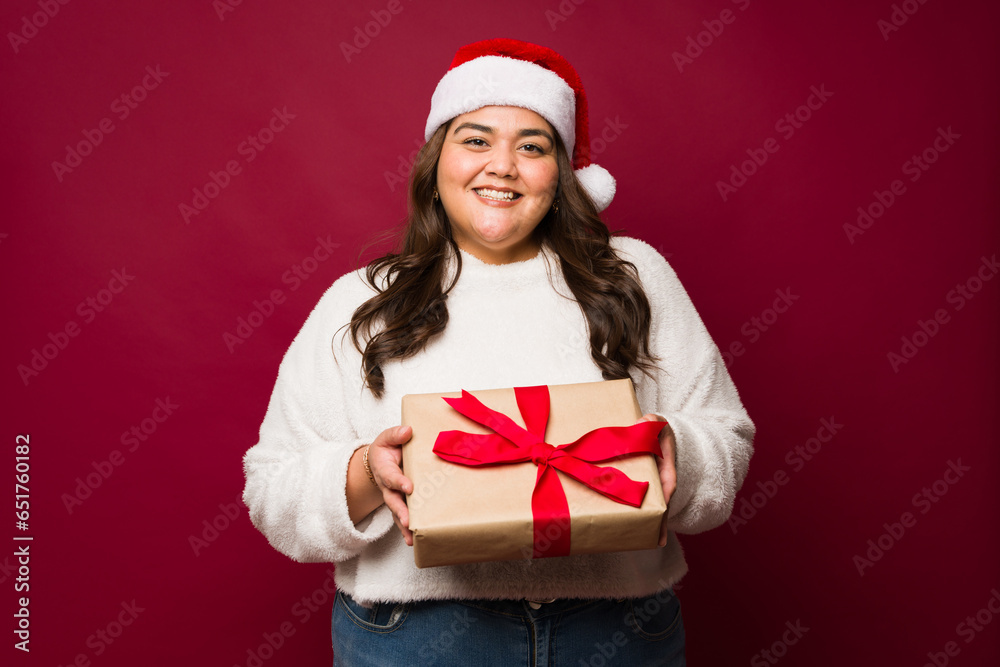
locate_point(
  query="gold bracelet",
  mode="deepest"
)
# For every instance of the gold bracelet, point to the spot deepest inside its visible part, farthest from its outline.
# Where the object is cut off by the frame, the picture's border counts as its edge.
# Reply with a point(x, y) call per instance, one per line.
point(368, 468)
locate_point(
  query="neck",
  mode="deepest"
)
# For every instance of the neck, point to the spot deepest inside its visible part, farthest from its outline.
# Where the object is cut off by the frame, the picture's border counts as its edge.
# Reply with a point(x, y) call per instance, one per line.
point(519, 253)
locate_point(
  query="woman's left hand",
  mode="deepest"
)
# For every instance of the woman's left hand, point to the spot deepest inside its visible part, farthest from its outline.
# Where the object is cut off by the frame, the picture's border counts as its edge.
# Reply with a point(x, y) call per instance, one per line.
point(668, 468)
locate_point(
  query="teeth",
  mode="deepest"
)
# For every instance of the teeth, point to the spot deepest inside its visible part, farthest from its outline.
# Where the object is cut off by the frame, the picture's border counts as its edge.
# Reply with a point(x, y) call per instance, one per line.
point(495, 194)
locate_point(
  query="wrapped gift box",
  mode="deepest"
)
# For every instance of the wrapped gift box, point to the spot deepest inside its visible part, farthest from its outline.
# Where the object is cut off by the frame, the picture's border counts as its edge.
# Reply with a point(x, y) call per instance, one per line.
point(463, 513)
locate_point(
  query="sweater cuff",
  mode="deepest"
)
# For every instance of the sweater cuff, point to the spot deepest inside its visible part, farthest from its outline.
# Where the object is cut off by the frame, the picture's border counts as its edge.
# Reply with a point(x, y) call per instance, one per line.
point(368, 530)
point(692, 463)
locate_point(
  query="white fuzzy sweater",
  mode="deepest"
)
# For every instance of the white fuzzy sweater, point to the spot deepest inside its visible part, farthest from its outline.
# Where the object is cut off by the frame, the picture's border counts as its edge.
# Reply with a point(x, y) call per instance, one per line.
point(509, 326)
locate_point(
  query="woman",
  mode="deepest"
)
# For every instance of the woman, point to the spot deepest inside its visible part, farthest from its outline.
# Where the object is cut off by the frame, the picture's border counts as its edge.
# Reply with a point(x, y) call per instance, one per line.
point(506, 277)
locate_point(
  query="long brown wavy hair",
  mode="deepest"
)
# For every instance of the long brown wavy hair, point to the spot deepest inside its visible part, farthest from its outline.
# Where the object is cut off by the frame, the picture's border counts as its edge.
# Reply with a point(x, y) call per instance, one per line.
point(410, 305)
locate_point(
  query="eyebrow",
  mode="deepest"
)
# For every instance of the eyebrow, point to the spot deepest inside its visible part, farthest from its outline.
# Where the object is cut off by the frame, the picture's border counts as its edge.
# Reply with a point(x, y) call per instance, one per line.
point(486, 129)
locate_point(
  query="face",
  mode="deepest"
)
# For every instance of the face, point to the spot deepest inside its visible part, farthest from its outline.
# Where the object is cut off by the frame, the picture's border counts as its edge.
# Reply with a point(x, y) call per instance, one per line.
point(497, 178)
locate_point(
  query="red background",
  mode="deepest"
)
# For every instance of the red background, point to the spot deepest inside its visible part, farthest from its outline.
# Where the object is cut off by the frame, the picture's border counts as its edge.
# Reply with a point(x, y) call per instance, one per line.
point(324, 176)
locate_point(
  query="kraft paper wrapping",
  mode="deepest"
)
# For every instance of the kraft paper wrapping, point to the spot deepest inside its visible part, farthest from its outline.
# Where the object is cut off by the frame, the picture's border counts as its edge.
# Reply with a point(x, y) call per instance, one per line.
point(460, 514)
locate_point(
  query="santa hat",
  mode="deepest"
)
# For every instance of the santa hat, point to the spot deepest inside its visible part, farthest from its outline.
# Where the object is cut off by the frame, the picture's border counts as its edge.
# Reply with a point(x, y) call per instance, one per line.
point(508, 72)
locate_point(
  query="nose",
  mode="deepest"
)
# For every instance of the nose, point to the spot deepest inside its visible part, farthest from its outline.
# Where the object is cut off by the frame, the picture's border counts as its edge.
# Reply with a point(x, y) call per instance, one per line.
point(502, 163)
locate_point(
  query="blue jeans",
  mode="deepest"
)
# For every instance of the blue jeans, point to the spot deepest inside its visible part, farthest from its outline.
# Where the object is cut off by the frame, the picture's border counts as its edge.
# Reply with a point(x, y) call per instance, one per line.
point(472, 633)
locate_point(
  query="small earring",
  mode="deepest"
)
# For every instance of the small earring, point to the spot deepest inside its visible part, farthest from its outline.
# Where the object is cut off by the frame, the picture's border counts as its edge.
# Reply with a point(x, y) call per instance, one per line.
point(436, 197)
point(555, 206)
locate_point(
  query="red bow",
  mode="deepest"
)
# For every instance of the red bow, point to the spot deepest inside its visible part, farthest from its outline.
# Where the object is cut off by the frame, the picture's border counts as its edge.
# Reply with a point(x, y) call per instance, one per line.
point(509, 443)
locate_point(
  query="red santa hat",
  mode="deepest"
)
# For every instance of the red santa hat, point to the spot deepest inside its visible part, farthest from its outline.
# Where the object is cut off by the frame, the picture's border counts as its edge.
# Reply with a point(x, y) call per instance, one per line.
point(508, 72)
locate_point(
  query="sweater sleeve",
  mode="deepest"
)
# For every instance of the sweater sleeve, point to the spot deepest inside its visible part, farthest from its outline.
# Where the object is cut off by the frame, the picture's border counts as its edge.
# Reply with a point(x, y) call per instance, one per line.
point(694, 391)
point(296, 475)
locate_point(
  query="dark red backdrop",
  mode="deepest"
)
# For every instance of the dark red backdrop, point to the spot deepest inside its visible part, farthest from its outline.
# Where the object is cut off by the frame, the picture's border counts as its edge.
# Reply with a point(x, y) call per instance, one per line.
point(123, 310)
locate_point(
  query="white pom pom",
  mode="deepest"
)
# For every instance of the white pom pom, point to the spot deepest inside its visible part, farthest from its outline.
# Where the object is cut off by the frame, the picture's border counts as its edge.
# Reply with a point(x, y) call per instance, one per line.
point(598, 183)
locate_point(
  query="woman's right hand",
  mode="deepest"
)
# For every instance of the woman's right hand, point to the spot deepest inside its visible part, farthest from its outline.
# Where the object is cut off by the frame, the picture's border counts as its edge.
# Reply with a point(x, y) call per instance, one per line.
point(385, 457)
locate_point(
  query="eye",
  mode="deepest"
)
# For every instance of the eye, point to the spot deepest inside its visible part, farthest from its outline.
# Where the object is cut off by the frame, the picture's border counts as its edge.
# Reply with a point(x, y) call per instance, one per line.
point(475, 141)
point(534, 148)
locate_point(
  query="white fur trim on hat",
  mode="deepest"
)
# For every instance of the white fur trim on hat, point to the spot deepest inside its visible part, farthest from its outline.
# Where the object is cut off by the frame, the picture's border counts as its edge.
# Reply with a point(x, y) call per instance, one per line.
point(598, 183)
point(502, 81)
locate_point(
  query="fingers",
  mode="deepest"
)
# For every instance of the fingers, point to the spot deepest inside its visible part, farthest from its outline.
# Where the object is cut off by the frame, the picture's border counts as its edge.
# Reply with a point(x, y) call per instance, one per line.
point(393, 478)
point(397, 504)
point(668, 477)
point(385, 458)
point(668, 481)
point(393, 437)
point(664, 532)
point(385, 463)
point(393, 487)
point(400, 514)
point(666, 467)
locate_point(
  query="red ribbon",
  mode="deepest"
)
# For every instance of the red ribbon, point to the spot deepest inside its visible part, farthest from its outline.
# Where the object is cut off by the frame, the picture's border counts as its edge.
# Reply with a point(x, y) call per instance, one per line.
point(509, 443)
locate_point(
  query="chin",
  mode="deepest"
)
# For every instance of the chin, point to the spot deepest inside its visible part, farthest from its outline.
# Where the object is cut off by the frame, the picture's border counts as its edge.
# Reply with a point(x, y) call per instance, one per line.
point(495, 232)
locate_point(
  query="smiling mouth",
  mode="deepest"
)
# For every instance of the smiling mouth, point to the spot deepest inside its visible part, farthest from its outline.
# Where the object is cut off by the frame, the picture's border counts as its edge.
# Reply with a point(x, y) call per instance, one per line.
point(497, 195)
